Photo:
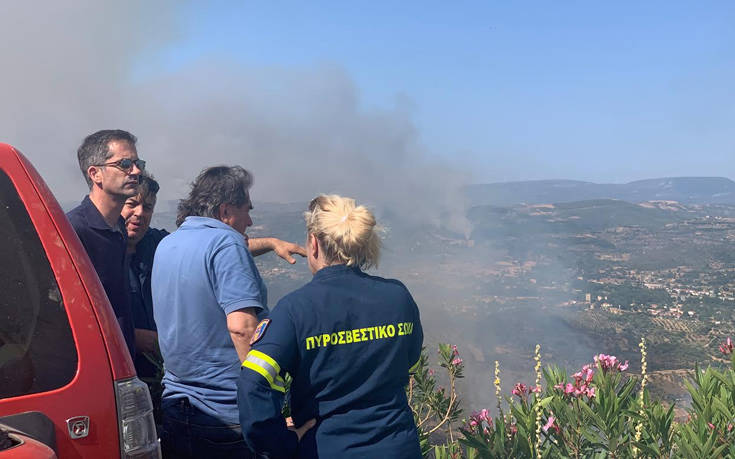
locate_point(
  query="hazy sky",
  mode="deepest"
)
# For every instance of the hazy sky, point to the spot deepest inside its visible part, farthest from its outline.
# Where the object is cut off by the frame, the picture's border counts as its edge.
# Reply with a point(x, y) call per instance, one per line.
point(379, 99)
point(600, 91)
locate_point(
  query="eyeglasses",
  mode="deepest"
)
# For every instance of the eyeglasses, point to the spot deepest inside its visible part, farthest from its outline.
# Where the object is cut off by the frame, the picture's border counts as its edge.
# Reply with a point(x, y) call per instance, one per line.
point(126, 164)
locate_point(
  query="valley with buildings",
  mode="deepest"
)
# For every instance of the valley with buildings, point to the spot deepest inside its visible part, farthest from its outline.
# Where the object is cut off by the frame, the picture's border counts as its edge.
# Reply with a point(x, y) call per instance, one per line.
point(579, 278)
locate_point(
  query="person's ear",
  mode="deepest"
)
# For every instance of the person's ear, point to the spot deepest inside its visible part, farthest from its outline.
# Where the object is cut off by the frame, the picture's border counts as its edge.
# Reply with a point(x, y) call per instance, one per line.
point(95, 174)
point(313, 246)
point(223, 212)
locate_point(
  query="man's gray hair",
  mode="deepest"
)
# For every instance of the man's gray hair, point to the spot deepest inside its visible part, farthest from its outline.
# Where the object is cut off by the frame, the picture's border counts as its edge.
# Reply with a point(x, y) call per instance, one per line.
point(213, 187)
point(95, 149)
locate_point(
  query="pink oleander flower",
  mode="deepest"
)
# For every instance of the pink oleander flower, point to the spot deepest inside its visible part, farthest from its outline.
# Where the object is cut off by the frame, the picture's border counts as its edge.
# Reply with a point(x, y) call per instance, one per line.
point(711, 426)
point(431, 372)
point(513, 429)
point(585, 375)
point(551, 424)
point(582, 379)
point(726, 347)
point(610, 362)
point(605, 361)
point(520, 390)
point(455, 352)
point(456, 361)
point(482, 419)
point(536, 390)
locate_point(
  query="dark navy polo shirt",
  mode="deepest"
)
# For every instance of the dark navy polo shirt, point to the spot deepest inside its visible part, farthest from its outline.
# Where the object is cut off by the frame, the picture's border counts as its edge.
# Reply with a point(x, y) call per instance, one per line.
point(141, 266)
point(106, 248)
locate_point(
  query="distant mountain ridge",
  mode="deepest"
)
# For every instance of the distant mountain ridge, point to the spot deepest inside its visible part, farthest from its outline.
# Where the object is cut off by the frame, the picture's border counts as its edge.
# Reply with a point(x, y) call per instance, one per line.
point(688, 190)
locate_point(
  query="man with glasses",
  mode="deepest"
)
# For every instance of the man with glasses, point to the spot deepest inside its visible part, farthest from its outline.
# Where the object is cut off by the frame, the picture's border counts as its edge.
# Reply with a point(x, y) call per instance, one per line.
point(109, 163)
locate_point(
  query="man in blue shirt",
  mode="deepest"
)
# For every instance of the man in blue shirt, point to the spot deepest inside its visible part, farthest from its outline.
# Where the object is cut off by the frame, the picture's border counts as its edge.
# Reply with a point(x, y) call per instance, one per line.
point(110, 165)
point(142, 243)
point(207, 297)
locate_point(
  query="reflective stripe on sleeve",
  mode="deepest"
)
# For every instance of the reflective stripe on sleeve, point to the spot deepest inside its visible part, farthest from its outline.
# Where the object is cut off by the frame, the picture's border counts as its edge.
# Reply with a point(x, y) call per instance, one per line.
point(266, 367)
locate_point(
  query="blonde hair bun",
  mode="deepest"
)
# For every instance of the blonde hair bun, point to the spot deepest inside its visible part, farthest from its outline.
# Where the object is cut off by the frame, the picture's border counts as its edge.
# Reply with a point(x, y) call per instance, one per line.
point(347, 233)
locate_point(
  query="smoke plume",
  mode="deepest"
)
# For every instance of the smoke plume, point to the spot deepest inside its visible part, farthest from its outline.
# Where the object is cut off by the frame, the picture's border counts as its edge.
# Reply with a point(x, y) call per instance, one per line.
point(71, 68)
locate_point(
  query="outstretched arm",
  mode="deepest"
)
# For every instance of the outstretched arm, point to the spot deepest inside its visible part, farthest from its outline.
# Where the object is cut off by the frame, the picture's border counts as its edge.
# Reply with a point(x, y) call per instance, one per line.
point(261, 245)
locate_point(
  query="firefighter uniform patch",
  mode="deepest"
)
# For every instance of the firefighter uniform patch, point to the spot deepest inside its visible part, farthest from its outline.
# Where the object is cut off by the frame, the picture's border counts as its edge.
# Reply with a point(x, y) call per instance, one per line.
point(259, 331)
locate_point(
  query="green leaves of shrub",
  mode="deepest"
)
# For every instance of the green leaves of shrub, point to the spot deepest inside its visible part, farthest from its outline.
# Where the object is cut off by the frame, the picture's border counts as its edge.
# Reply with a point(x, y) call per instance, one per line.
point(586, 424)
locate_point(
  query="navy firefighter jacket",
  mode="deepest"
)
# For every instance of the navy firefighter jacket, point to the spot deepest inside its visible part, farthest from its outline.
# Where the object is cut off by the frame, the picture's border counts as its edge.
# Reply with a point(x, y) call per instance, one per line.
point(348, 340)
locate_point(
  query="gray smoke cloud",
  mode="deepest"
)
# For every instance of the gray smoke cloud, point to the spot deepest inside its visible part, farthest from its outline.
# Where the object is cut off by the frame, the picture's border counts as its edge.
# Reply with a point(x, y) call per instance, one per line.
point(68, 69)
point(67, 72)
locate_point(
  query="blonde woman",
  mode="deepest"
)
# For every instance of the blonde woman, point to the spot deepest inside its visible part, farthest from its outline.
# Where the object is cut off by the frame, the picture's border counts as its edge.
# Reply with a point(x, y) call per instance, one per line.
point(348, 340)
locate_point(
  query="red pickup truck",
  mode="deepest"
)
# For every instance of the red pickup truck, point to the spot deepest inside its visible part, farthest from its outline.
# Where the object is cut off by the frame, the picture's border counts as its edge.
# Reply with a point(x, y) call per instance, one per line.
point(68, 387)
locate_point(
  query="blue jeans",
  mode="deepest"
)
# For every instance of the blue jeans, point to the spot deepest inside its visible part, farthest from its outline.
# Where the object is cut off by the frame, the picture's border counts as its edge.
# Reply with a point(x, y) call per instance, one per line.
point(189, 433)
